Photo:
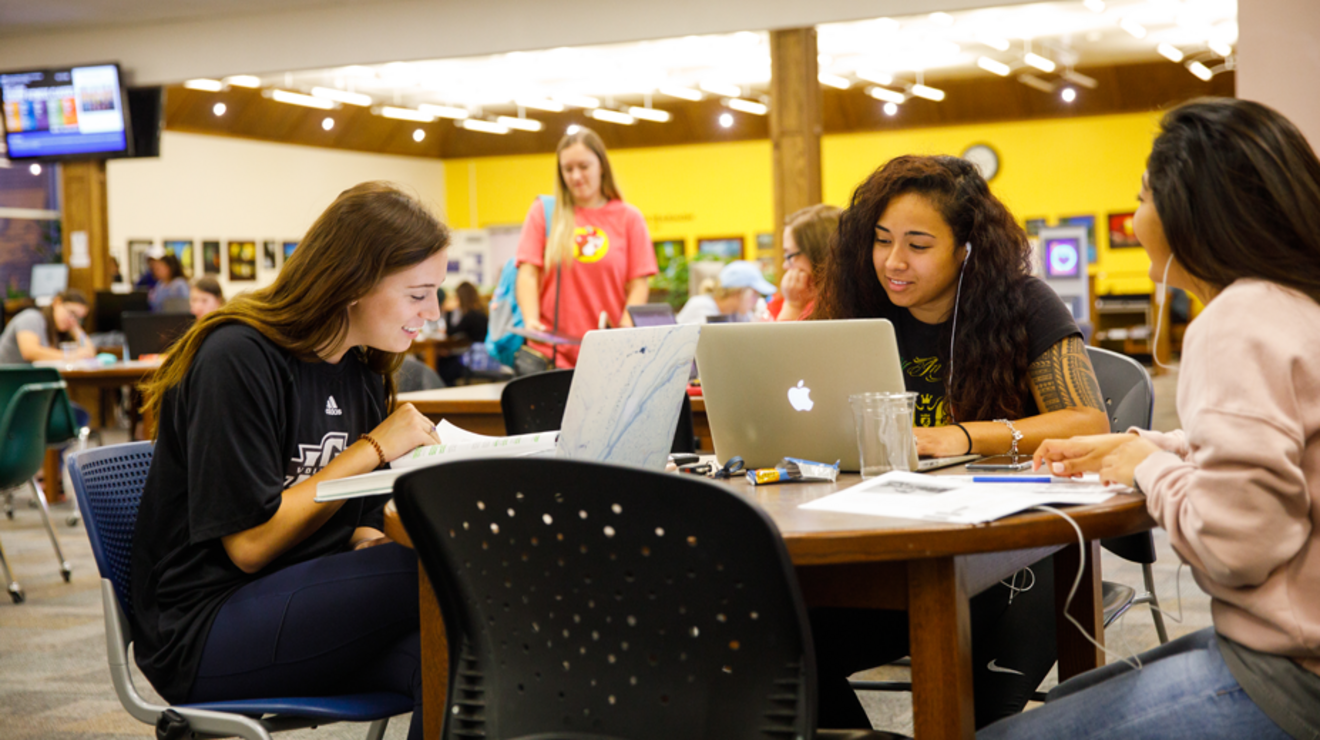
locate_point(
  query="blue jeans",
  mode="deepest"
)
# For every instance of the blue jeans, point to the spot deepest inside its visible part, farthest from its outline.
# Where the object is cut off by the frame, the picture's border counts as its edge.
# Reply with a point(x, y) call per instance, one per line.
point(341, 624)
point(1183, 689)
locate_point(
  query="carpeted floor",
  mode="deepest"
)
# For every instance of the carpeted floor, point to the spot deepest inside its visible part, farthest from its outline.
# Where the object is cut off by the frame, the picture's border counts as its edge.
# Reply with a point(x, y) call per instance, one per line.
point(54, 682)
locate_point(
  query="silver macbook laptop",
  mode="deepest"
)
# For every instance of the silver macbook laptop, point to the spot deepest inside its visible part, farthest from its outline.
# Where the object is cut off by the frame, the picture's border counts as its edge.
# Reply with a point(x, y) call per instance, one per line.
point(627, 393)
point(776, 390)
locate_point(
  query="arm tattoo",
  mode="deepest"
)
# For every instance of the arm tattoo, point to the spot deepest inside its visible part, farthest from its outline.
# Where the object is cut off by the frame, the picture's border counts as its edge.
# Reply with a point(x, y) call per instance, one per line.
point(1062, 378)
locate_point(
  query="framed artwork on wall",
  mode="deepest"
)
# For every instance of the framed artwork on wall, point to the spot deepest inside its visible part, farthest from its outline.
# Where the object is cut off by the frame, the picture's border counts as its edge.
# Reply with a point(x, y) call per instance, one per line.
point(183, 249)
point(242, 260)
point(269, 250)
point(288, 249)
point(1121, 235)
point(211, 257)
point(726, 247)
point(137, 258)
point(666, 250)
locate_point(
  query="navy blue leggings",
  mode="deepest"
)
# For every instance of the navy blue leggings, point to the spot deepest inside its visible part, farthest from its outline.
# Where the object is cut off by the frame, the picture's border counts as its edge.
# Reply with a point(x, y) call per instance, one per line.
point(341, 624)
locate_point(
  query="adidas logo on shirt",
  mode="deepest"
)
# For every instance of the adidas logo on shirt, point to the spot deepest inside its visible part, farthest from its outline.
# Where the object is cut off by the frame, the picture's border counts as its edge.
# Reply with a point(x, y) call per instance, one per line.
point(332, 408)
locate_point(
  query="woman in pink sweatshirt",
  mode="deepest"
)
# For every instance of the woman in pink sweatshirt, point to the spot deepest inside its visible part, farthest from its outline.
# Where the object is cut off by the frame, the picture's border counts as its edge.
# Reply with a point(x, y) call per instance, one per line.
point(1230, 211)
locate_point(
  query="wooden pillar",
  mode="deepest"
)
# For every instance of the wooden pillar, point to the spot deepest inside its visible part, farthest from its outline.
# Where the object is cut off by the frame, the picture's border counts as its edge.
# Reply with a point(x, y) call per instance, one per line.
point(795, 123)
point(83, 210)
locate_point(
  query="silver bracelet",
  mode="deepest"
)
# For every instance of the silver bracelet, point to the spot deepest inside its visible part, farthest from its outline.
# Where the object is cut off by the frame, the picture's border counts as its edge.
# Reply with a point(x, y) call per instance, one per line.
point(1013, 449)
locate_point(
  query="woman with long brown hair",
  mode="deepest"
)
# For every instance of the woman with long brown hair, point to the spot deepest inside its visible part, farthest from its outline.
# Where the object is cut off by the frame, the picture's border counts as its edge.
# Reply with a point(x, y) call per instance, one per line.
point(998, 365)
point(594, 256)
point(1229, 210)
point(38, 333)
point(242, 585)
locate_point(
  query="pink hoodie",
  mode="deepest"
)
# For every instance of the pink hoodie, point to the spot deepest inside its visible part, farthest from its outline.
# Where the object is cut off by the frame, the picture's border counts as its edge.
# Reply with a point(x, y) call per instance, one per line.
point(1237, 490)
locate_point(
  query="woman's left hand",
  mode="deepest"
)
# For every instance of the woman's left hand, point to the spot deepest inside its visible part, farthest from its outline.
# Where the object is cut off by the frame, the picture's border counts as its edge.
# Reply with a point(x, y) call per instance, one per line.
point(1120, 465)
point(945, 441)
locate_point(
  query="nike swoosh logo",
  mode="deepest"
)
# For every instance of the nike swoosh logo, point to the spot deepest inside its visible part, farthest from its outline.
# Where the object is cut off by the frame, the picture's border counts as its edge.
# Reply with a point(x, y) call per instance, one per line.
point(997, 669)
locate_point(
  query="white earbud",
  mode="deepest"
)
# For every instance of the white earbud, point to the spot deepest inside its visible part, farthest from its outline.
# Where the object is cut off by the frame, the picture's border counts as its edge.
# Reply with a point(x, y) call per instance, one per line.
point(1160, 290)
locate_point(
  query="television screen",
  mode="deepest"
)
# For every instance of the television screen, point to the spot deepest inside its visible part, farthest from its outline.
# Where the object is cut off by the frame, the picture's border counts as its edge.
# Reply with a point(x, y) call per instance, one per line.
point(64, 113)
point(1062, 258)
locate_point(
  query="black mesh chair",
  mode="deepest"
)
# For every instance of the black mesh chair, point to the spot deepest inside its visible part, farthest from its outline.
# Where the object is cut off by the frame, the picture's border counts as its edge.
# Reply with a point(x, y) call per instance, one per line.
point(584, 600)
point(535, 403)
point(1129, 398)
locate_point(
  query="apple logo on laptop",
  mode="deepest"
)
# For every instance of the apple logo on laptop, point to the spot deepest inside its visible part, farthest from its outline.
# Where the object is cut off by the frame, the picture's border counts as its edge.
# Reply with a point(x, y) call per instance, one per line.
point(800, 397)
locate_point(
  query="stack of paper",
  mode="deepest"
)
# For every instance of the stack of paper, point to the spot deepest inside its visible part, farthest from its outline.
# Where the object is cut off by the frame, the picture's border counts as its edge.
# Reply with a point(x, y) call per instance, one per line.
point(958, 499)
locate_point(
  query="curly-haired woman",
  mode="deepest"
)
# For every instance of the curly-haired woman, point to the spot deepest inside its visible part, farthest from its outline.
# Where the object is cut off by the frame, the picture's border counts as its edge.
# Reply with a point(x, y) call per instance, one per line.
point(998, 365)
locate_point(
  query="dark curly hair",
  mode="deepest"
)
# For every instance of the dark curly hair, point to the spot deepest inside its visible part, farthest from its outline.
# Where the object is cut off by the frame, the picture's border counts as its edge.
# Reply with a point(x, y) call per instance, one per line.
point(992, 342)
point(1223, 168)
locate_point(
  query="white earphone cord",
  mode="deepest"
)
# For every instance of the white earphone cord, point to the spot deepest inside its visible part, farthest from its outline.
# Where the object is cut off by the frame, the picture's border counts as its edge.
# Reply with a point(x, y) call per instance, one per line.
point(1161, 294)
point(953, 332)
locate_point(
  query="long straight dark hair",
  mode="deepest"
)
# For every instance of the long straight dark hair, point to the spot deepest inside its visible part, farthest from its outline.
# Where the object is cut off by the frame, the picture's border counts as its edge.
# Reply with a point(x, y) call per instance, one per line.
point(371, 230)
point(992, 340)
point(1237, 188)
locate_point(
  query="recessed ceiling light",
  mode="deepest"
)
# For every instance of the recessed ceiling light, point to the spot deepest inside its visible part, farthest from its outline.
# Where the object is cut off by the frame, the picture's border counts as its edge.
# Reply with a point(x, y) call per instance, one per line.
point(35, 168)
point(218, 109)
point(1068, 94)
point(328, 123)
point(418, 135)
point(891, 109)
point(726, 119)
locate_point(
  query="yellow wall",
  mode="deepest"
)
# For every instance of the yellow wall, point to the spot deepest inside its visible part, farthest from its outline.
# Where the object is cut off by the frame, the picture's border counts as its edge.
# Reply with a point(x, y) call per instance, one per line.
point(1048, 169)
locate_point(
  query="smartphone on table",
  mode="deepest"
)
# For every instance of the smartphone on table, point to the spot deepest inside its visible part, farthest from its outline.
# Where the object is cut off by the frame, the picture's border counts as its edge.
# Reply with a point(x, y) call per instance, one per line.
point(1001, 462)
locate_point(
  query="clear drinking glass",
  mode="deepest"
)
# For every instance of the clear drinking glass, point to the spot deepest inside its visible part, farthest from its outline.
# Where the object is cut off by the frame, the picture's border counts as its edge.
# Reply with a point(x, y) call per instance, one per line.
point(884, 431)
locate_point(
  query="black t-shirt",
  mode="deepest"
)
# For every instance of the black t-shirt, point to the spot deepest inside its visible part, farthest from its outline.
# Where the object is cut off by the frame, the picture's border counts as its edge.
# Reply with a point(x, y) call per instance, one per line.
point(1048, 321)
point(248, 421)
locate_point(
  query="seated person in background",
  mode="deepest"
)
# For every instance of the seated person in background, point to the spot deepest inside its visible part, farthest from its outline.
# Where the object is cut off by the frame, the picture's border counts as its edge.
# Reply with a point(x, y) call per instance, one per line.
point(170, 282)
point(738, 293)
point(808, 235)
point(37, 333)
point(998, 365)
point(467, 321)
point(1229, 210)
point(206, 296)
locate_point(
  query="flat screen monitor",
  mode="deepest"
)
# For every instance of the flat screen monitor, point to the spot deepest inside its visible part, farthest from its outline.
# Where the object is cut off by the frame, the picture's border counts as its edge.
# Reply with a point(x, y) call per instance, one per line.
point(152, 333)
point(1063, 258)
point(110, 308)
point(48, 281)
point(65, 113)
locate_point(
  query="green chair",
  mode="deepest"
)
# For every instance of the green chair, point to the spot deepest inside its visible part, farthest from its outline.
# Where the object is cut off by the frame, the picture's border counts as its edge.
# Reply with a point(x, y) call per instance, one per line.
point(36, 411)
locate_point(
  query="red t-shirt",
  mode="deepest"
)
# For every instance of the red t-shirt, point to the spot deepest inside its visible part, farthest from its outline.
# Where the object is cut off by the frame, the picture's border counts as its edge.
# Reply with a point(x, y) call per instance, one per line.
point(611, 246)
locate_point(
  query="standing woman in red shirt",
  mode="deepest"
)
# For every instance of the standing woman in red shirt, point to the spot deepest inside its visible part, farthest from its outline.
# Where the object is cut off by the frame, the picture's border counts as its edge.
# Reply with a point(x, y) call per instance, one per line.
point(594, 257)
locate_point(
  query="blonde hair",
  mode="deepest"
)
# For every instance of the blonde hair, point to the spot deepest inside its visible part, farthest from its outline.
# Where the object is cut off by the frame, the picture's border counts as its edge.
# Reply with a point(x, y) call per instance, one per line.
point(712, 287)
point(559, 246)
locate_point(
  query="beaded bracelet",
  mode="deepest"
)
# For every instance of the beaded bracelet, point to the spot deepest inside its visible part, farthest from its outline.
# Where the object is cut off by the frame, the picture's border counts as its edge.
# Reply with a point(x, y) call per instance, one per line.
point(379, 452)
point(966, 434)
point(1013, 449)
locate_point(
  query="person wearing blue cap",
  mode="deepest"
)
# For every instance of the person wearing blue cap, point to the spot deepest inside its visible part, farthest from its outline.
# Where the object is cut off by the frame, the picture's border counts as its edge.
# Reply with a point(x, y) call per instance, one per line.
point(740, 288)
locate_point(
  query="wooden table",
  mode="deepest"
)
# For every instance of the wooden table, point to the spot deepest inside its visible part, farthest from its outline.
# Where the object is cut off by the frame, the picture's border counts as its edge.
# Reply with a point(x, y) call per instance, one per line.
point(432, 347)
point(476, 408)
point(928, 569)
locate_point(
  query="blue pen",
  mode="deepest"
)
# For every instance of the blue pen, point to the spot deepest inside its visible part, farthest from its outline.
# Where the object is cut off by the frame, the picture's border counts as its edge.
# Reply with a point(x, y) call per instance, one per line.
point(1010, 479)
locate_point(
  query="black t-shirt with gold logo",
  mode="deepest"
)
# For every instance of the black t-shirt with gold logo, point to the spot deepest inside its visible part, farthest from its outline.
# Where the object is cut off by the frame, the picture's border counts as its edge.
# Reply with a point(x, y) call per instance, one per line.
point(1048, 321)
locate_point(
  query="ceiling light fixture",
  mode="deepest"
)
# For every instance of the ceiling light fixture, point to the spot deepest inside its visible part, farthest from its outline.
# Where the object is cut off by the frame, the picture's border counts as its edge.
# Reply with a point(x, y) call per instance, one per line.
point(992, 65)
point(1068, 94)
point(1170, 52)
point(683, 93)
point(927, 92)
point(1200, 70)
point(34, 168)
point(521, 124)
point(721, 88)
point(747, 106)
point(342, 96)
point(204, 85)
point(611, 116)
point(218, 109)
point(443, 111)
point(405, 114)
point(1079, 79)
point(887, 95)
point(550, 106)
point(875, 76)
point(307, 101)
point(418, 135)
point(573, 128)
point(328, 123)
point(649, 114)
point(1222, 48)
point(578, 101)
point(835, 81)
point(485, 127)
point(1039, 62)
point(248, 81)
point(726, 119)
point(1033, 81)
point(891, 109)
point(1136, 29)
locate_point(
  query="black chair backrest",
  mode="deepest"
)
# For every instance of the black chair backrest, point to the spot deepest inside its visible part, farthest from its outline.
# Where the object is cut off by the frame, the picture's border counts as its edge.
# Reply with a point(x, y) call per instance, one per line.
point(587, 600)
point(1129, 395)
point(535, 403)
point(108, 482)
point(110, 306)
point(414, 375)
point(1129, 398)
point(152, 333)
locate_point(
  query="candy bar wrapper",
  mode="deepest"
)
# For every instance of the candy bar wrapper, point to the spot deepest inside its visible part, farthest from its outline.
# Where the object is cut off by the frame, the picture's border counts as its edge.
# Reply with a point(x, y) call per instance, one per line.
point(794, 469)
